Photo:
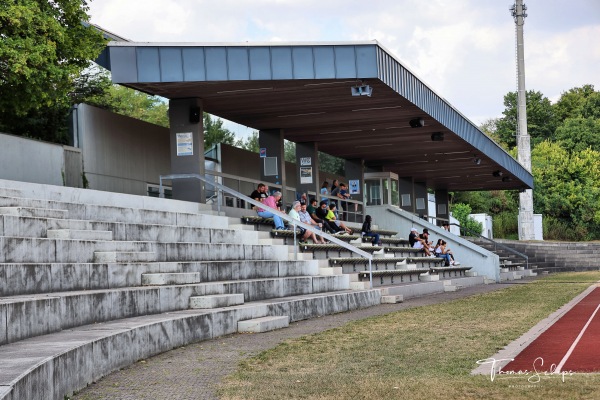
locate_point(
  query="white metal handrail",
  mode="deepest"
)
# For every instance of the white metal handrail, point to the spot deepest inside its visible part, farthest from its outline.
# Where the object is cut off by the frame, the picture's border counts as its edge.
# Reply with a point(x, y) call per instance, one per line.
point(295, 223)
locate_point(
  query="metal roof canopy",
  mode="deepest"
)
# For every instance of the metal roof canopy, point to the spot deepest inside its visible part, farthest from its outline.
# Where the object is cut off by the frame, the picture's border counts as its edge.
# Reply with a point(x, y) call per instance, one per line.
point(305, 89)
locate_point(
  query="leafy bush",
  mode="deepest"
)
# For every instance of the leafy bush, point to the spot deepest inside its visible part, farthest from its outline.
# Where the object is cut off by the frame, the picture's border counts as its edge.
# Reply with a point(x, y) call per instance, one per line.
point(461, 212)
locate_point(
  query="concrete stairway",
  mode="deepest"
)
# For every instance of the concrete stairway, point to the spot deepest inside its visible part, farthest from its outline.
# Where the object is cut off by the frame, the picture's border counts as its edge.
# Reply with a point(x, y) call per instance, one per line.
point(562, 256)
point(94, 281)
point(400, 272)
point(552, 257)
point(512, 266)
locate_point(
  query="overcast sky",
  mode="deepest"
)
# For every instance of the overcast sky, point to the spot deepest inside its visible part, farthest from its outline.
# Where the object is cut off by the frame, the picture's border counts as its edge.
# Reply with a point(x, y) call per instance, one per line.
point(462, 49)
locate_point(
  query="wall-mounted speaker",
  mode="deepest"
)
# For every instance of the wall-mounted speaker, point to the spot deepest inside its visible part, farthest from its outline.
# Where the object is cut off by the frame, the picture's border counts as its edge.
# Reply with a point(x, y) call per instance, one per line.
point(195, 115)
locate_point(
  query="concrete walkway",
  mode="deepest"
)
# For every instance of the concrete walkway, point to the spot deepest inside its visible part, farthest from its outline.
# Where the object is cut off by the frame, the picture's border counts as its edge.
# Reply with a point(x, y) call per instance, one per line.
point(193, 372)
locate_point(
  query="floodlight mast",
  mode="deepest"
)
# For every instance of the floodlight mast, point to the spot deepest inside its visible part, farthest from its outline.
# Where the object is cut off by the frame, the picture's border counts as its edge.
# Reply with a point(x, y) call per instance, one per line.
point(526, 231)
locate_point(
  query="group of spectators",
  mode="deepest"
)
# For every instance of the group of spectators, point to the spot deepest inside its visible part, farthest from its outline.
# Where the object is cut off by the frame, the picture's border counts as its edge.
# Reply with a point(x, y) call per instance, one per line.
point(322, 216)
point(441, 249)
point(339, 190)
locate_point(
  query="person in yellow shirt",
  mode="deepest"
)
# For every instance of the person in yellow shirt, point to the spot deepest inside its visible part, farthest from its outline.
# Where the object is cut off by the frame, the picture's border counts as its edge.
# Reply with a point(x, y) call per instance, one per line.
point(331, 217)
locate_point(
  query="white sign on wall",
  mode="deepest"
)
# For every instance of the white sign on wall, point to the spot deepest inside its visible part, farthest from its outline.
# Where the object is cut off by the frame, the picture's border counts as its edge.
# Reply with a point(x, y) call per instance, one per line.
point(185, 144)
point(306, 175)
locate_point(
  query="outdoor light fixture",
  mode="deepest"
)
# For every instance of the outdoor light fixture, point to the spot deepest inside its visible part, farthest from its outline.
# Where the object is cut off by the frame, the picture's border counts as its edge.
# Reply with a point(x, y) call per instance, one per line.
point(362, 90)
point(417, 123)
point(436, 136)
point(476, 160)
point(497, 173)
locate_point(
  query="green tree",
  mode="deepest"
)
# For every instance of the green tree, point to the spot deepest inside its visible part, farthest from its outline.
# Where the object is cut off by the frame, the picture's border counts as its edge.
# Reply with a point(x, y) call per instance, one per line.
point(591, 107)
point(541, 121)
point(567, 191)
point(215, 133)
point(132, 103)
point(331, 164)
point(289, 151)
point(577, 134)
point(44, 49)
point(461, 212)
point(572, 102)
point(250, 144)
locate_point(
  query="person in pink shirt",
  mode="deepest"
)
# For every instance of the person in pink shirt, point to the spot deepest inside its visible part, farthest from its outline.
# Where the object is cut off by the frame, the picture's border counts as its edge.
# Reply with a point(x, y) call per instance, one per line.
point(271, 201)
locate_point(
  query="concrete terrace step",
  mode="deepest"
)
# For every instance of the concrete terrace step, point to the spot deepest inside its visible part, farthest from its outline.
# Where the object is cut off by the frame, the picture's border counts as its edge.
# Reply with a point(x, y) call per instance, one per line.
point(391, 277)
point(124, 256)
point(79, 234)
point(216, 301)
point(125, 231)
point(59, 277)
point(135, 211)
point(386, 262)
point(55, 365)
point(263, 324)
point(33, 212)
point(392, 299)
point(170, 278)
point(23, 317)
point(34, 250)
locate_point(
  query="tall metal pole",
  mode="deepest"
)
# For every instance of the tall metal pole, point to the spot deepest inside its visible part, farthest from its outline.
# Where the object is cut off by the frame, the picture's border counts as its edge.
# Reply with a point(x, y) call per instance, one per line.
point(526, 231)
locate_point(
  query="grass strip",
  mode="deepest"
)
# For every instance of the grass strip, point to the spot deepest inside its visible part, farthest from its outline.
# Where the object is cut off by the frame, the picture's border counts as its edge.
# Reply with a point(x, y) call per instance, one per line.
point(421, 353)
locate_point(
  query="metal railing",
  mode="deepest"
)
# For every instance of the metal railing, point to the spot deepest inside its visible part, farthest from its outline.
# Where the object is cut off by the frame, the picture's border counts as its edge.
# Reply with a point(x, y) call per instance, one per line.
point(294, 222)
point(357, 213)
point(496, 244)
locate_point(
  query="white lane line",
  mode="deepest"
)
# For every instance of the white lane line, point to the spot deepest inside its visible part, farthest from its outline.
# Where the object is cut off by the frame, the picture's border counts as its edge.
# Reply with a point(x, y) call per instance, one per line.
point(566, 357)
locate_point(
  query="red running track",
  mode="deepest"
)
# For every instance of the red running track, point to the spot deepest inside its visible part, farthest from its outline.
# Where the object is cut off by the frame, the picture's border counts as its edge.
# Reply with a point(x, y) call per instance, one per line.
point(571, 344)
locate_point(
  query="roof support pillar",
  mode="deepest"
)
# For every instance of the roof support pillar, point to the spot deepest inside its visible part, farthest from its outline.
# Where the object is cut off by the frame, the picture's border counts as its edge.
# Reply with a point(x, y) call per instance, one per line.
point(271, 150)
point(187, 148)
point(355, 173)
point(441, 207)
point(407, 195)
point(421, 199)
point(307, 168)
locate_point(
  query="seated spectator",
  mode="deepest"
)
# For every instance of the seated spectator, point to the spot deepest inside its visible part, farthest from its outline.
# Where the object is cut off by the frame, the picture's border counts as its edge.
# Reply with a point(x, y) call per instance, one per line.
point(259, 194)
point(321, 214)
point(307, 219)
point(417, 242)
point(271, 202)
point(425, 235)
point(305, 233)
point(332, 218)
point(367, 232)
point(439, 252)
point(446, 251)
point(446, 226)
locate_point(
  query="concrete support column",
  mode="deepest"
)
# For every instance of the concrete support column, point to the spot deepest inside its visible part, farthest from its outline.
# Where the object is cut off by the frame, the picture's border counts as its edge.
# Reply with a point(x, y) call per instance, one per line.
point(355, 174)
point(421, 199)
point(270, 143)
point(441, 206)
point(407, 195)
point(307, 167)
point(187, 148)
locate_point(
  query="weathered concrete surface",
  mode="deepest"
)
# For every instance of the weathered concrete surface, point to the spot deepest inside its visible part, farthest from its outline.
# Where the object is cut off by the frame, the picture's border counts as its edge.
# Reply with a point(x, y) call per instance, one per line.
point(41, 314)
point(216, 301)
point(55, 365)
point(263, 324)
point(179, 374)
point(35, 278)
